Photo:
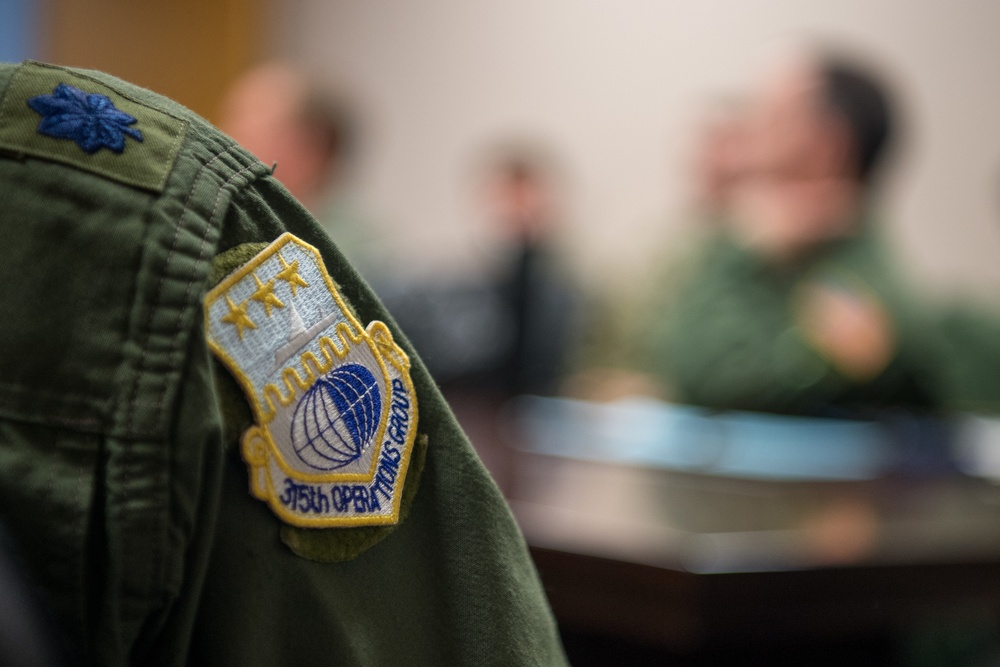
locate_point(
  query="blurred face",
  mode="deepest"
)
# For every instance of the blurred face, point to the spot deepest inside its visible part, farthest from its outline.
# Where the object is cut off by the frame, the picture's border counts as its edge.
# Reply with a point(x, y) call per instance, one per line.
point(800, 187)
point(521, 203)
point(790, 133)
point(262, 113)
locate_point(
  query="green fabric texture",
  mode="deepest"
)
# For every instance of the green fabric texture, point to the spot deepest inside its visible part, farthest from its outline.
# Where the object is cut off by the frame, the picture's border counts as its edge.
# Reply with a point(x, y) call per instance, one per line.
point(232, 259)
point(143, 164)
point(122, 484)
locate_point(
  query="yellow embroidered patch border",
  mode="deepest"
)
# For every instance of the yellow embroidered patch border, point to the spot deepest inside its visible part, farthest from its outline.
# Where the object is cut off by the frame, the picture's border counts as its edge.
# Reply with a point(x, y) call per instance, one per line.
point(334, 408)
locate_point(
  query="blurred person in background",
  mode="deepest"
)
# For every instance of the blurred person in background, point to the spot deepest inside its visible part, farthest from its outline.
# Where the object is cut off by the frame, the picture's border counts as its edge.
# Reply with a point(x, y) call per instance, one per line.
point(509, 333)
point(609, 364)
point(288, 119)
point(794, 306)
point(486, 341)
point(521, 196)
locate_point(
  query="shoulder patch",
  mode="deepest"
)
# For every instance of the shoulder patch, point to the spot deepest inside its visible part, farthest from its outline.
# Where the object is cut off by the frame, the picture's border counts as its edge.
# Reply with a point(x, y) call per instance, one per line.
point(335, 411)
point(56, 114)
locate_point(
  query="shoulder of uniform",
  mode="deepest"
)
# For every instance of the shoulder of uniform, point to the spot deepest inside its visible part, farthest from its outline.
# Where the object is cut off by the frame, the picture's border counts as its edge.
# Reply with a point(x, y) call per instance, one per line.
point(99, 123)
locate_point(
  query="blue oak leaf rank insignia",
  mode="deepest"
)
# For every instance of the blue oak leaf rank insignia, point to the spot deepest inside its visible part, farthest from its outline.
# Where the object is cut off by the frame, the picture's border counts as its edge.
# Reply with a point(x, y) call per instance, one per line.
point(89, 119)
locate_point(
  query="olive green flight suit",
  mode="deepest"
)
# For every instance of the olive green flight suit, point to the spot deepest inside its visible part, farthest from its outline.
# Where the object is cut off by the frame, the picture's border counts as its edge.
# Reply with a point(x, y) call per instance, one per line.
point(732, 338)
point(120, 477)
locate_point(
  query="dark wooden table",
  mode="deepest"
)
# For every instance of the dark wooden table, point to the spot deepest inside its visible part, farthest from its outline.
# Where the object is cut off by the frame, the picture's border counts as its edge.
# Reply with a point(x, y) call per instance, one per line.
point(685, 561)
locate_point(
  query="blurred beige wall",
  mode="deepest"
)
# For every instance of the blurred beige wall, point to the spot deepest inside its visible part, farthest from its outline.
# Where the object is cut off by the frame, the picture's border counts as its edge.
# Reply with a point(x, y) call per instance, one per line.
point(615, 86)
point(186, 49)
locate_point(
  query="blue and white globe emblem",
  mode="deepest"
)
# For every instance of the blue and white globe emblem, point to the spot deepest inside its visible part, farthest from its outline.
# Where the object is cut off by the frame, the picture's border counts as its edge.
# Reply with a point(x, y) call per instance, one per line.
point(337, 418)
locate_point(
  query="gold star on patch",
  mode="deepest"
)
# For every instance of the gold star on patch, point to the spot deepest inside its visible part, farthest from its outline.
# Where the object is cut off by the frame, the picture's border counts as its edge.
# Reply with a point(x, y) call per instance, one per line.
point(265, 295)
point(290, 274)
point(237, 316)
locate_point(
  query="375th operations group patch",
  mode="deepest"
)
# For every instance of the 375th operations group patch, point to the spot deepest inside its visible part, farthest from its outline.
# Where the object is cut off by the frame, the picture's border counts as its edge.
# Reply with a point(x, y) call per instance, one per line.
point(335, 411)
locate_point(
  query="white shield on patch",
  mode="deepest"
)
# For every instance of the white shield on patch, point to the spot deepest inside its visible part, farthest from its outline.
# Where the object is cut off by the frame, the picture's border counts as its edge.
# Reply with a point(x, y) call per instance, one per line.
point(334, 408)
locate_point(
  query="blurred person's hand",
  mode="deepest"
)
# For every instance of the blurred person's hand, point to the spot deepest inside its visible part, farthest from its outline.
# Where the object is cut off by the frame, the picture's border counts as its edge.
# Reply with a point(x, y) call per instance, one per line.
point(849, 328)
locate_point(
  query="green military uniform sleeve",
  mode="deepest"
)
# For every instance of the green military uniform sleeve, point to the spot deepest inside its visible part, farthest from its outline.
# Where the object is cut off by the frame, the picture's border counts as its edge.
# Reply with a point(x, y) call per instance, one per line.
point(123, 482)
point(404, 600)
